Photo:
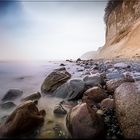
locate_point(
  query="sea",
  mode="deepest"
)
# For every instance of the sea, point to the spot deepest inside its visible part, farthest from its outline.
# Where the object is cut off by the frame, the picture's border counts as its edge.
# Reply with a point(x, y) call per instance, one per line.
point(28, 77)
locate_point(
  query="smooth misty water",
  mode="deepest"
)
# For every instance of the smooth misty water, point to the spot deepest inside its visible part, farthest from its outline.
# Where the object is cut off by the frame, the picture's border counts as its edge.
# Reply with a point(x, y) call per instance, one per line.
point(28, 77)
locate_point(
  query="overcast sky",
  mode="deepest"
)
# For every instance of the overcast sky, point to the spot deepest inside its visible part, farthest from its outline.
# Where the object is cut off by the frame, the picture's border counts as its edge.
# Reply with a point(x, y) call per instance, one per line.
point(49, 30)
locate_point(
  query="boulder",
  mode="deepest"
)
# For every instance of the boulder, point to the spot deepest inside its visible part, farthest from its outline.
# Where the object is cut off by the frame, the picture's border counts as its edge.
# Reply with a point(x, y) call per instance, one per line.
point(34, 96)
point(107, 104)
point(12, 94)
point(114, 83)
point(59, 110)
point(81, 124)
point(121, 65)
point(62, 64)
point(114, 75)
point(7, 105)
point(78, 60)
point(72, 90)
point(94, 95)
point(55, 79)
point(94, 80)
point(127, 103)
point(25, 118)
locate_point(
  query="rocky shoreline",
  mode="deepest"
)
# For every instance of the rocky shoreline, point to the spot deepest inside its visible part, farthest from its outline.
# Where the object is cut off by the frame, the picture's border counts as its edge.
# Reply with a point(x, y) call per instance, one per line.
point(103, 102)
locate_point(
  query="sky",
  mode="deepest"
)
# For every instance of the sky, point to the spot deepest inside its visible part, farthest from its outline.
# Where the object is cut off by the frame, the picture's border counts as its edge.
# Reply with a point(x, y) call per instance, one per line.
point(50, 30)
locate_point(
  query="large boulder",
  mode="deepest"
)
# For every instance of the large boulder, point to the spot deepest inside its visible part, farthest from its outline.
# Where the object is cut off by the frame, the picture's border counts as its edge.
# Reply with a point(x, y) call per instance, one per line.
point(7, 105)
point(25, 118)
point(12, 94)
point(94, 95)
point(81, 124)
point(54, 80)
point(114, 83)
point(121, 65)
point(34, 96)
point(94, 80)
point(71, 90)
point(127, 102)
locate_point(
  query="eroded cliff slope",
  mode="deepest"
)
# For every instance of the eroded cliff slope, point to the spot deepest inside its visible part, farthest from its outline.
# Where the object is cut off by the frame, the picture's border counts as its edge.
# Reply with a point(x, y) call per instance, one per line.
point(122, 20)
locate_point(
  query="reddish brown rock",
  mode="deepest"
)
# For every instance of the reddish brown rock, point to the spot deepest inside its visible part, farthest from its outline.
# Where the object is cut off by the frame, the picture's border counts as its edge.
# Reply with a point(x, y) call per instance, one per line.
point(83, 123)
point(127, 103)
point(107, 104)
point(23, 119)
point(94, 95)
point(114, 83)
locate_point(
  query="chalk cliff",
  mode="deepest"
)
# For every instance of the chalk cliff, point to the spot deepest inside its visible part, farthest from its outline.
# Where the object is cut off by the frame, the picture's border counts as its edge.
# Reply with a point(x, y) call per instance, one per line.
point(122, 19)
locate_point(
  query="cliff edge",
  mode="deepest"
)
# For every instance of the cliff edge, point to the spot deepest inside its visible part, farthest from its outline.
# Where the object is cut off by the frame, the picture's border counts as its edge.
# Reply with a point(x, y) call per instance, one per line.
point(122, 19)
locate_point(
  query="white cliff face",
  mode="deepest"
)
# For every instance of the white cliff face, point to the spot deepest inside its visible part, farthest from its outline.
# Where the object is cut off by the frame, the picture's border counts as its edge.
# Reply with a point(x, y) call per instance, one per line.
point(122, 31)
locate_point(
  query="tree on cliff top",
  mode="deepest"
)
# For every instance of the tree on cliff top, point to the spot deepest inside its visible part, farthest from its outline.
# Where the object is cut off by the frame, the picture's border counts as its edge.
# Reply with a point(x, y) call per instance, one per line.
point(111, 5)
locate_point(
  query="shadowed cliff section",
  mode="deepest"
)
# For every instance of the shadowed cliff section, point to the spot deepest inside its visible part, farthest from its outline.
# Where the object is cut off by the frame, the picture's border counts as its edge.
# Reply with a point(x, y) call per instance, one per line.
point(122, 19)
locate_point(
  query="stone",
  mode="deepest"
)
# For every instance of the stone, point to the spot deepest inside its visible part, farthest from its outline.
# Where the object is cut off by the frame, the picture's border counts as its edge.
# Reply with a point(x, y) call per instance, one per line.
point(114, 83)
point(54, 80)
point(78, 60)
point(93, 80)
point(7, 105)
point(94, 95)
point(12, 94)
point(35, 96)
point(59, 110)
point(62, 64)
point(127, 103)
point(121, 65)
point(114, 75)
point(107, 104)
point(100, 112)
point(81, 124)
point(24, 119)
point(72, 90)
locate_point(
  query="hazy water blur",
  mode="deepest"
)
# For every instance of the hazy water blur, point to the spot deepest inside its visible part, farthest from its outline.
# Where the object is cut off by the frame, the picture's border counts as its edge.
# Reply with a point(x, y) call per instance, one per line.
point(28, 77)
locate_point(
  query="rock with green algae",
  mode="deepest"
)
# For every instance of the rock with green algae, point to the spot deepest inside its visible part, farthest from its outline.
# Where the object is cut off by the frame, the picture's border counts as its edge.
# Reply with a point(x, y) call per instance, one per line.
point(54, 80)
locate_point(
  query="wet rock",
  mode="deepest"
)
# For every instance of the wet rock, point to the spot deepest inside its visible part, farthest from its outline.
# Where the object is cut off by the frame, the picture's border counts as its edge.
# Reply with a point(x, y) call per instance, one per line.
point(62, 64)
point(24, 119)
point(121, 65)
point(94, 95)
point(55, 79)
point(3, 119)
point(35, 96)
point(78, 60)
point(69, 104)
point(107, 104)
point(93, 80)
point(72, 90)
point(59, 110)
point(81, 124)
point(113, 84)
point(127, 102)
point(136, 76)
point(69, 60)
point(114, 75)
point(80, 69)
point(12, 94)
point(100, 112)
point(7, 105)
